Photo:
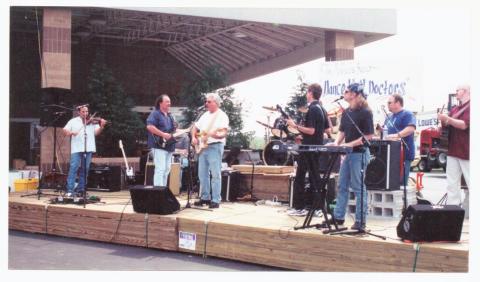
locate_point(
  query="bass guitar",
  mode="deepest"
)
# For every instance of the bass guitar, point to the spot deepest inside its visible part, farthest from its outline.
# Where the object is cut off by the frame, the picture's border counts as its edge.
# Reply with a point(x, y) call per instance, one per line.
point(128, 169)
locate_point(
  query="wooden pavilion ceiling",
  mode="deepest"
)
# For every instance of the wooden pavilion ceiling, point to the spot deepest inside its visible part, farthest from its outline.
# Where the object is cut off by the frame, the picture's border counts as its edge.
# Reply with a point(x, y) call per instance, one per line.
point(197, 42)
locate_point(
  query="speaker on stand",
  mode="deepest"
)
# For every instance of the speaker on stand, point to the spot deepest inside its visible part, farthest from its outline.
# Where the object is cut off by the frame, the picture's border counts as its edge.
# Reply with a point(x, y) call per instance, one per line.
point(383, 171)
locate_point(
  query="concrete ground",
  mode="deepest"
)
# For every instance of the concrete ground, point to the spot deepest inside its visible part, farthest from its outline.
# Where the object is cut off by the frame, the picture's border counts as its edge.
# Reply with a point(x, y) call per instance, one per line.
point(44, 252)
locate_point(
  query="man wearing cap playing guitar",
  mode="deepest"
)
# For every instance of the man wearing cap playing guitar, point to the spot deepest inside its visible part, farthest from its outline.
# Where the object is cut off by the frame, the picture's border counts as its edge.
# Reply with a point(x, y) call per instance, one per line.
point(209, 144)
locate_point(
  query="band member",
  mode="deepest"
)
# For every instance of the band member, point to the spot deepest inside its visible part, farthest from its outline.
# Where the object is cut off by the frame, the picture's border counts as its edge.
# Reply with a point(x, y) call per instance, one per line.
point(160, 126)
point(352, 169)
point(401, 124)
point(212, 127)
point(458, 156)
point(312, 132)
point(81, 129)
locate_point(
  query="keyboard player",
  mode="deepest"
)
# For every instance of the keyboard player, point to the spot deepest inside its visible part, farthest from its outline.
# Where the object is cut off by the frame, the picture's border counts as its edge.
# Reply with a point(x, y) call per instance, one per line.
point(312, 134)
point(353, 167)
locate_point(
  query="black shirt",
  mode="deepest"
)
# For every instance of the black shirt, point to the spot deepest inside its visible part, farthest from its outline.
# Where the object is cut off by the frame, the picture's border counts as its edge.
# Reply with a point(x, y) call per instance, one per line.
point(316, 118)
point(363, 117)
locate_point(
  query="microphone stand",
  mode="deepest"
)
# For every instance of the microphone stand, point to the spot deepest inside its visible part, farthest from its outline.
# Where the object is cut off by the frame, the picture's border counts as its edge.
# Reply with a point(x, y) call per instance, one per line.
point(360, 230)
point(405, 147)
point(85, 162)
point(190, 174)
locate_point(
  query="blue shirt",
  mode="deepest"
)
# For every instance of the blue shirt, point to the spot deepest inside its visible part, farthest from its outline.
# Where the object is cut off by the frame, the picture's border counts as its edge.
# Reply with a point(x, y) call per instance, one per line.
point(397, 123)
point(163, 123)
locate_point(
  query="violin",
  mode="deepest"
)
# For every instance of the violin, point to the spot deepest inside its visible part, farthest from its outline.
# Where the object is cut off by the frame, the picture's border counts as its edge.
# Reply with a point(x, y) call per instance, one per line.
point(95, 120)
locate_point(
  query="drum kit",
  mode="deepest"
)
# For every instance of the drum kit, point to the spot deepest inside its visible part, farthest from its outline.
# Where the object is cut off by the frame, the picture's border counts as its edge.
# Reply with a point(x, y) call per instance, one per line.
point(281, 134)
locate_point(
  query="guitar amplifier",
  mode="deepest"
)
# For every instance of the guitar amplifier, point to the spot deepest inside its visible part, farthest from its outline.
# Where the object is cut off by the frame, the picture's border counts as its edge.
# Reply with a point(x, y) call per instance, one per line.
point(105, 178)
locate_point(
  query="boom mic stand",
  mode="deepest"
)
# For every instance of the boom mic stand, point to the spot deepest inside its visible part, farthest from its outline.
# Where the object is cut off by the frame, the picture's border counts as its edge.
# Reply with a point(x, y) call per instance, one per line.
point(361, 230)
point(405, 146)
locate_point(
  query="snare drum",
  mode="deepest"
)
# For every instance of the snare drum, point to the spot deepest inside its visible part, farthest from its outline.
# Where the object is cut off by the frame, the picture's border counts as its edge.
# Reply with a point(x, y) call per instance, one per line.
point(275, 153)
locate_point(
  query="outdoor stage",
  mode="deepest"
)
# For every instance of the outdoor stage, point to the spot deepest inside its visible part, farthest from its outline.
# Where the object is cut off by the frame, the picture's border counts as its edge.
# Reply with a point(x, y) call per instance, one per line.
point(239, 231)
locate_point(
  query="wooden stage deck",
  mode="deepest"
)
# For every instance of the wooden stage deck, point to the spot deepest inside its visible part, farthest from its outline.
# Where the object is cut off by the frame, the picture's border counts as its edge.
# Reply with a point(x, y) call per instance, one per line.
point(239, 231)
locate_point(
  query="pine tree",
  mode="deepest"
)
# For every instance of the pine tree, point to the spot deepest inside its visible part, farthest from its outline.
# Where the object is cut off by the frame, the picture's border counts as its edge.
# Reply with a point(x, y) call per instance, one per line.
point(107, 98)
point(298, 99)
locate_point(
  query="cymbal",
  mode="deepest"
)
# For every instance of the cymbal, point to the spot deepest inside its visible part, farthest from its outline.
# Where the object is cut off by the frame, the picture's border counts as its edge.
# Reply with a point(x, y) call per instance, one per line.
point(273, 109)
point(264, 124)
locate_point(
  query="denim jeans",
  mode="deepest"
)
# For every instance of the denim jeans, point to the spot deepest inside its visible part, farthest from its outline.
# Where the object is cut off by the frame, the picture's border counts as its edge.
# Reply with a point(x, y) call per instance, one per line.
point(163, 161)
point(76, 162)
point(351, 170)
point(210, 161)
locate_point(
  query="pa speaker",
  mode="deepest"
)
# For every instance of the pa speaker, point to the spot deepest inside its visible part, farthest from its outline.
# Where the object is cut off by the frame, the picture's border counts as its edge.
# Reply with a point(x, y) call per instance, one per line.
point(429, 223)
point(383, 171)
point(153, 199)
point(53, 111)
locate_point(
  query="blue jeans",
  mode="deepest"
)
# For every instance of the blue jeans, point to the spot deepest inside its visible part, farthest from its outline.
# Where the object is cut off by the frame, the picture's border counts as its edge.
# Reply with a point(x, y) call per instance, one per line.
point(350, 176)
point(77, 161)
point(210, 161)
point(163, 161)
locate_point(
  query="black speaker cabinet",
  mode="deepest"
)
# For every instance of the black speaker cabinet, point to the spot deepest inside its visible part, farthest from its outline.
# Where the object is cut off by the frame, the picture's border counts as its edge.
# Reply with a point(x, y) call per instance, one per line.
point(153, 199)
point(105, 178)
point(53, 111)
point(383, 171)
point(431, 223)
point(230, 180)
point(330, 197)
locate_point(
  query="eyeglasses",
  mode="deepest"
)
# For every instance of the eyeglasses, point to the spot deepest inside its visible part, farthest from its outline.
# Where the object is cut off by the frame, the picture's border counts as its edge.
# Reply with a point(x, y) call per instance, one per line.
point(390, 103)
point(208, 102)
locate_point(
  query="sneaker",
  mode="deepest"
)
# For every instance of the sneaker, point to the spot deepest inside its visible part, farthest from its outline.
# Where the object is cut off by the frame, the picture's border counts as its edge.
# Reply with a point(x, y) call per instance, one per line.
point(318, 213)
point(338, 221)
point(299, 212)
point(201, 202)
point(214, 205)
point(356, 226)
point(68, 195)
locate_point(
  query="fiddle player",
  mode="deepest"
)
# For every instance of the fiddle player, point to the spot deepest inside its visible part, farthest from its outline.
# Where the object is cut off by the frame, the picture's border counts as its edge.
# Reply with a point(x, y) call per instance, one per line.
point(80, 128)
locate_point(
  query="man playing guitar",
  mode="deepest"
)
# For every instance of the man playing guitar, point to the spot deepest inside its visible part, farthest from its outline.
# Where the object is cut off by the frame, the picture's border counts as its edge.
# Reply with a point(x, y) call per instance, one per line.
point(458, 159)
point(160, 126)
point(209, 143)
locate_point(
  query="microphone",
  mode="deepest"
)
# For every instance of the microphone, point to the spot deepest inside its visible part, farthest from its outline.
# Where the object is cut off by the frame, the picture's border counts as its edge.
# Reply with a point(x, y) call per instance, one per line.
point(338, 99)
point(201, 107)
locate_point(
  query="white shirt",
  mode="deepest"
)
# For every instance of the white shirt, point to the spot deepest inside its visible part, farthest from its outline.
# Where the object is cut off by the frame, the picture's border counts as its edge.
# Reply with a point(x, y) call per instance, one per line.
point(221, 121)
point(77, 141)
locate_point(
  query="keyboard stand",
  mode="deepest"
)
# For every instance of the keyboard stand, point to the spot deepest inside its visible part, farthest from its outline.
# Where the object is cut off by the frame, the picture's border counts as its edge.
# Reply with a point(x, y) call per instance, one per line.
point(319, 201)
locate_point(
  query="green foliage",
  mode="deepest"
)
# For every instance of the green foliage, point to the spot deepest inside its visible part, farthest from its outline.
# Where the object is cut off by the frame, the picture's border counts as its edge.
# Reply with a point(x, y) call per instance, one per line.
point(193, 95)
point(298, 99)
point(107, 98)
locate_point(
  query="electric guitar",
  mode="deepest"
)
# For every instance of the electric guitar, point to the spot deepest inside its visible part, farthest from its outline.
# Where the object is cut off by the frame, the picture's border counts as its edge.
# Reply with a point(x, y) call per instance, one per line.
point(162, 143)
point(129, 169)
point(202, 138)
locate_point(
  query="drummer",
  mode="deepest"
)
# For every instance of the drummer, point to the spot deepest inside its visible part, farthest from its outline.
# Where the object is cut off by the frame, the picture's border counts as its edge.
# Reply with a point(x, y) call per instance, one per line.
point(316, 121)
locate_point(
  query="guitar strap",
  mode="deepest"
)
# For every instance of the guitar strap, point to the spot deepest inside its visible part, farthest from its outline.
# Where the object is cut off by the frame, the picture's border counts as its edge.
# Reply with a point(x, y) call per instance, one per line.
point(212, 121)
point(460, 112)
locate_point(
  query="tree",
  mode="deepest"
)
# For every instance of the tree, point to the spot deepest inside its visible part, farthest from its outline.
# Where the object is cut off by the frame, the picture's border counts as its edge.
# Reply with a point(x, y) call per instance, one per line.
point(193, 94)
point(107, 97)
point(298, 99)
